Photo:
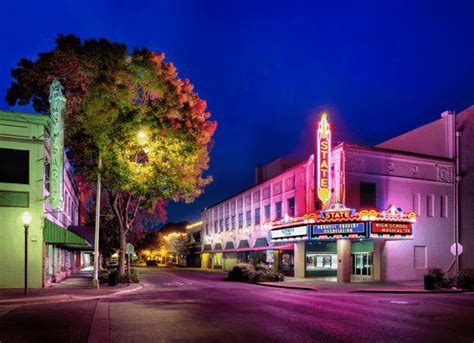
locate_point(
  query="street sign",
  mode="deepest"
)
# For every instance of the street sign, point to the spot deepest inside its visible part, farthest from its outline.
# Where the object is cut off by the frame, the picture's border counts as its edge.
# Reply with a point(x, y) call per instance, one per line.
point(130, 249)
point(453, 249)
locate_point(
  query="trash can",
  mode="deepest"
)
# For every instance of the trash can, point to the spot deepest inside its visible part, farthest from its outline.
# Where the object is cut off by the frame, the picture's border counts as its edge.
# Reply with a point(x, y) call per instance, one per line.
point(429, 282)
point(113, 278)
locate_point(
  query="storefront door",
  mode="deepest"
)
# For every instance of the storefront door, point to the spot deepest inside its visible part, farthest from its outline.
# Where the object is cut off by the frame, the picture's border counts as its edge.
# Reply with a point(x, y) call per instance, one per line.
point(362, 267)
point(287, 263)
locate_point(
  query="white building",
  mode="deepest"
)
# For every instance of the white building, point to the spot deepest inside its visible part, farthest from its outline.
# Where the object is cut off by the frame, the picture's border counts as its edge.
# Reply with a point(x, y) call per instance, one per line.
point(415, 171)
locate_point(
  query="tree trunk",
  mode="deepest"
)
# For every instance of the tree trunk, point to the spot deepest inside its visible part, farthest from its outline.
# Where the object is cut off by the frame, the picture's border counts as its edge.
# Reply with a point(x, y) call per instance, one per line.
point(123, 245)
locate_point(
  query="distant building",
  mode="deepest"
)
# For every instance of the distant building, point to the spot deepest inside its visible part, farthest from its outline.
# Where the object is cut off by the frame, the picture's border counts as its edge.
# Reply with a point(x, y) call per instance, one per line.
point(54, 251)
point(365, 230)
point(193, 239)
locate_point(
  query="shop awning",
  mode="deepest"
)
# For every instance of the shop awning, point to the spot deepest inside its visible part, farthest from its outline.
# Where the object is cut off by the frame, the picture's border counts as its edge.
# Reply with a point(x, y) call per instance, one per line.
point(244, 244)
point(229, 246)
point(275, 247)
point(55, 234)
point(218, 246)
point(261, 242)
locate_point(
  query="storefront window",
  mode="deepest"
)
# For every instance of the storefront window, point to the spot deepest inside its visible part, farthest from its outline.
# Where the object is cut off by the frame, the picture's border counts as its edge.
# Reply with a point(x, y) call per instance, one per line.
point(49, 259)
point(321, 261)
point(287, 264)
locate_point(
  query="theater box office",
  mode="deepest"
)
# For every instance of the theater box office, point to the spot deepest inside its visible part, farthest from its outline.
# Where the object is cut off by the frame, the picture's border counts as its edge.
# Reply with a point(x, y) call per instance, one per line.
point(341, 243)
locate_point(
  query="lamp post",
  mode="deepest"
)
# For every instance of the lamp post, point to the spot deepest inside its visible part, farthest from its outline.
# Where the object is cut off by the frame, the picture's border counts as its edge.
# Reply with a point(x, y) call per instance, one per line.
point(26, 219)
point(95, 278)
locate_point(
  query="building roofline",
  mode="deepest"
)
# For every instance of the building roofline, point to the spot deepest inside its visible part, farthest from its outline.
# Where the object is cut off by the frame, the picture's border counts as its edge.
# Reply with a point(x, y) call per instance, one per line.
point(23, 117)
point(390, 151)
point(258, 184)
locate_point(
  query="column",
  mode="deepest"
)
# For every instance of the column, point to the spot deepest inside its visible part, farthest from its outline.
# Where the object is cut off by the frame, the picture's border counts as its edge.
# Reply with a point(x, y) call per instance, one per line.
point(276, 261)
point(378, 246)
point(343, 260)
point(299, 259)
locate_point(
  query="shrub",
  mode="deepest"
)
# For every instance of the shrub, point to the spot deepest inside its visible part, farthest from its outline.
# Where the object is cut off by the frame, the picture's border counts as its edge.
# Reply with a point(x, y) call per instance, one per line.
point(246, 272)
point(103, 276)
point(134, 276)
point(466, 278)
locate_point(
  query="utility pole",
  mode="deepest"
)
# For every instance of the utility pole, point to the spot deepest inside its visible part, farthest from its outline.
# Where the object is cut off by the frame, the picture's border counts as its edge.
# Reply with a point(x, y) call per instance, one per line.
point(95, 280)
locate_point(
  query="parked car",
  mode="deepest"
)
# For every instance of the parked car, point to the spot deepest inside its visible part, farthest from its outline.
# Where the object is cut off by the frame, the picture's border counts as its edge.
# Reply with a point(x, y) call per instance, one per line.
point(151, 263)
point(112, 263)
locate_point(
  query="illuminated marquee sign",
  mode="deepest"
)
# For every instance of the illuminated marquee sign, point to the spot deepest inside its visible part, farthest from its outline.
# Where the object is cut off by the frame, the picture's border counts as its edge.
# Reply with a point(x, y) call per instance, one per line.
point(338, 229)
point(338, 211)
point(296, 231)
point(323, 152)
point(392, 228)
point(57, 103)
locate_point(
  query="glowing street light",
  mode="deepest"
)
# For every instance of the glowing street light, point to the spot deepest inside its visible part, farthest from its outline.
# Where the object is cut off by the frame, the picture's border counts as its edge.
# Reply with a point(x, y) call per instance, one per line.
point(141, 136)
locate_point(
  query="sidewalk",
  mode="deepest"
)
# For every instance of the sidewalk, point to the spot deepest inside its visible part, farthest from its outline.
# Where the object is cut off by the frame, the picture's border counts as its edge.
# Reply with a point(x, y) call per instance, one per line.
point(405, 287)
point(76, 287)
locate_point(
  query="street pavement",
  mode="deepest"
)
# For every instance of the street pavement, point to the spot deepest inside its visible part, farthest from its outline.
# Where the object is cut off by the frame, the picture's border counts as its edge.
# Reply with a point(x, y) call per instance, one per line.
point(182, 305)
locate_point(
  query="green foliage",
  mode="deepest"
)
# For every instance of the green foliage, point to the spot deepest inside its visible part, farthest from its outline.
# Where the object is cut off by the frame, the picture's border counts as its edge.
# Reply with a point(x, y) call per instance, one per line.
point(436, 273)
point(466, 278)
point(246, 272)
point(134, 276)
point(112, 95)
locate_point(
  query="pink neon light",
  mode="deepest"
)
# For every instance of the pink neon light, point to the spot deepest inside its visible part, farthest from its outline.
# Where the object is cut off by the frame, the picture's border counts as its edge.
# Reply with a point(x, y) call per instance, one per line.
point(323, 152)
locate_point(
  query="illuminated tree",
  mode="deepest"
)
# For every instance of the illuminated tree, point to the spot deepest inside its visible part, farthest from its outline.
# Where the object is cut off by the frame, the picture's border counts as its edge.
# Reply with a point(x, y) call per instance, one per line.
point(151, 130)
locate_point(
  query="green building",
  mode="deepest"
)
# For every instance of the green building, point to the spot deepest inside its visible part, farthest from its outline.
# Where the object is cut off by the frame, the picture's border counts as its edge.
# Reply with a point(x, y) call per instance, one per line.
point(54, 250)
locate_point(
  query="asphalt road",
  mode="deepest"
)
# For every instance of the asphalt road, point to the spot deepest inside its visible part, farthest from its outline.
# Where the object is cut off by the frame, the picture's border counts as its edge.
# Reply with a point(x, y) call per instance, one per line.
point(181, 305)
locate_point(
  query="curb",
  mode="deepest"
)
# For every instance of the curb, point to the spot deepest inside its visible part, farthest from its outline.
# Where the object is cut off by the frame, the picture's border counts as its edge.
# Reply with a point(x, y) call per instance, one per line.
point(411, 292)
point(66, 298)
point(287, 287)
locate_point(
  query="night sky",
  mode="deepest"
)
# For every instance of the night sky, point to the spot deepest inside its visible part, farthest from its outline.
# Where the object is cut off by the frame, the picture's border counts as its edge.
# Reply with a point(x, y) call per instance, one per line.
point(267, 68)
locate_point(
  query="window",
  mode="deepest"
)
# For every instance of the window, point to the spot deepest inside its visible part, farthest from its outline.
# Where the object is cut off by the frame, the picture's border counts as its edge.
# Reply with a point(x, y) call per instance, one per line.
point(15, 166)
point(207, 229)
point(257, 216)
point(46, 175)
point(221, 225)
point(233, 222)
point(368, 195)
point(241, 220)
point(227, 224)
point(278, 210)
point(267, 212)
point(248, 218)
point(216, 229)
point(430, 205)
point(291, 207)
point(420, 257)
point(444, 206)
point(416, 203)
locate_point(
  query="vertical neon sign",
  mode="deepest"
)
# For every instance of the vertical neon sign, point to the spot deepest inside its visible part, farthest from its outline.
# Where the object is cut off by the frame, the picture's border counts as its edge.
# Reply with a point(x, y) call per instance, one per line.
point(323, 152)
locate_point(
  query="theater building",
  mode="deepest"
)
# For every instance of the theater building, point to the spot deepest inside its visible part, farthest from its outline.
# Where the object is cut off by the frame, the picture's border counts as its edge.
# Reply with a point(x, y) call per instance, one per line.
point(35, 177)
point(352, 213)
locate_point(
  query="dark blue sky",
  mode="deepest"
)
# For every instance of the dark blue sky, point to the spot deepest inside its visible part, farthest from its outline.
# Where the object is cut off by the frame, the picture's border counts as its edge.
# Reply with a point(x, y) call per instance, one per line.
point(267, 68)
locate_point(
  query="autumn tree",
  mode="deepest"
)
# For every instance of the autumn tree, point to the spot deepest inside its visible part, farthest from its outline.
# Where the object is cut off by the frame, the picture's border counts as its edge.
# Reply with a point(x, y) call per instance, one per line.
point(149, 127)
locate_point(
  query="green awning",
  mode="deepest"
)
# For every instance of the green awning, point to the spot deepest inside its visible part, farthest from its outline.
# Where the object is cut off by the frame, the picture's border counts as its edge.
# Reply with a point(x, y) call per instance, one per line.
point(55, 234)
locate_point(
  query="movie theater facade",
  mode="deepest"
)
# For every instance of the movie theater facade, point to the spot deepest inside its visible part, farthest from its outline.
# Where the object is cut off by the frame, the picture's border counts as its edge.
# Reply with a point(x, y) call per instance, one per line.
point(349, 213)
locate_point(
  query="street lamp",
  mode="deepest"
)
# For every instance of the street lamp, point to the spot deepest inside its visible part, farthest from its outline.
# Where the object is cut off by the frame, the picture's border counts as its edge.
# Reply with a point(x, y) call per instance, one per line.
point(141, 137)
point(26, 219)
